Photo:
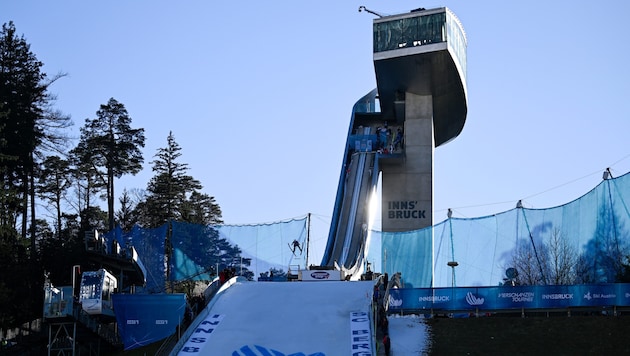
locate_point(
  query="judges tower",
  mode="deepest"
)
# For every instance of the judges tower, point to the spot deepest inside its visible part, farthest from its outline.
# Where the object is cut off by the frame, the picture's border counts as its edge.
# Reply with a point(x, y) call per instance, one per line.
point(420, 65)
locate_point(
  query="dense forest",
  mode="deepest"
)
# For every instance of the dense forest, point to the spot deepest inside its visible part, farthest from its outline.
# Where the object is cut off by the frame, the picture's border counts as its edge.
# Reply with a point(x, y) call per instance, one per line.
point(55, 188)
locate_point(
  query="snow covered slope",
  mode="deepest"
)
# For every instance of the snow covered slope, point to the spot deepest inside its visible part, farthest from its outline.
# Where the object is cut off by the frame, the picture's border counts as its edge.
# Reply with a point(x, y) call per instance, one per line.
point(284, 318)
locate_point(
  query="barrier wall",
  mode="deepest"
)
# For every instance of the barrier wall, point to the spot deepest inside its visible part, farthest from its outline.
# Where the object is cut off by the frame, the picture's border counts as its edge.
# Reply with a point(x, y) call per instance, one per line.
point(508, 297)
point(146, 318)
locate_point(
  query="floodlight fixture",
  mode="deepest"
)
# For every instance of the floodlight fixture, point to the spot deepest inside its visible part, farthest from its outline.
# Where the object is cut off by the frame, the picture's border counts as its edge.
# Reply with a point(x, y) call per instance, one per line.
point(363, 8)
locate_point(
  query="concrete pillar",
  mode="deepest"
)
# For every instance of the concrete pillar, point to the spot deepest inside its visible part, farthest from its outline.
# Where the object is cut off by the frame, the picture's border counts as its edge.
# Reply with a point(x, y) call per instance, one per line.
point(407, 184)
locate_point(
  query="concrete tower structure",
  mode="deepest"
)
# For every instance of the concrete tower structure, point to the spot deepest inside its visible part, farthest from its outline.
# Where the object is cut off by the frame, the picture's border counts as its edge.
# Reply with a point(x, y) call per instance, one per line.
point(420, 67)
point(420, 64)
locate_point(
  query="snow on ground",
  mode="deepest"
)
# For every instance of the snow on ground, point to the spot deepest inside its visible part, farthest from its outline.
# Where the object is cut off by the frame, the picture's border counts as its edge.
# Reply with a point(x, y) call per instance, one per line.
point(297, 318)
point(409, 335)
point(284, 318)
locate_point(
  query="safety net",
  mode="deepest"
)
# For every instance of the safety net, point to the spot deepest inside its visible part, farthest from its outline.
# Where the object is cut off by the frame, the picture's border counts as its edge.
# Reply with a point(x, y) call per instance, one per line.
point(584, 241)
point(200, 252)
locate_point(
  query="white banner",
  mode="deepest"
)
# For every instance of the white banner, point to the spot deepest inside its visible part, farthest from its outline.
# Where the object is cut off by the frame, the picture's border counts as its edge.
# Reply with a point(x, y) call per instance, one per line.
point(361, 336)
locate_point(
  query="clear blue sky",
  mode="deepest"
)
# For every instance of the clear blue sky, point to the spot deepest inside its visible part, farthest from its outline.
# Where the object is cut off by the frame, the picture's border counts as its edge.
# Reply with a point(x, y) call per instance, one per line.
point(259, 94)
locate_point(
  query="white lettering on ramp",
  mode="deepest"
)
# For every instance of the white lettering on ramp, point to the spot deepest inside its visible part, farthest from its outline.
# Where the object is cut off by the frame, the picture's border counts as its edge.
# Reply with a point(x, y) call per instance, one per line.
point(199, 337)
point(361, 344)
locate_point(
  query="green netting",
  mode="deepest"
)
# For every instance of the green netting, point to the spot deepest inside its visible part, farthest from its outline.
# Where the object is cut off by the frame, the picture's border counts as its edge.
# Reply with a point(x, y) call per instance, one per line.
point(583, 241)
point(199, 251)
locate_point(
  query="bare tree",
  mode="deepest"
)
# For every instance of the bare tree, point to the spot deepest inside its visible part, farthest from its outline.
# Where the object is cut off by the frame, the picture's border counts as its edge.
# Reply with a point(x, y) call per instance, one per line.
point(549, 262)
point(561, 258)
point(525, 261)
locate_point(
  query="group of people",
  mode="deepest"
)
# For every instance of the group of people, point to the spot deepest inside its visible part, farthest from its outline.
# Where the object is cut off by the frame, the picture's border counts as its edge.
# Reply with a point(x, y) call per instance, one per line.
point(387, 344)
point(194, 305)
point(388, 142)
point(226, 274)
point(383, 322)
point(197, 302)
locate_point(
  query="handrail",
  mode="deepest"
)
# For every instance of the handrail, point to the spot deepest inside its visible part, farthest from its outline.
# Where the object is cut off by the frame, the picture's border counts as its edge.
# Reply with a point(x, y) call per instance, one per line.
point(394, 283)
point(104, 331)
point(349, 233)
point(168, 344)
point(364, 105)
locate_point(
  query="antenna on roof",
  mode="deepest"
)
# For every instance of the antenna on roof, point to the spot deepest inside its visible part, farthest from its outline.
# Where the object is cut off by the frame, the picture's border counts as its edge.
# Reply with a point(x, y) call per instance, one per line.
point(363, 8)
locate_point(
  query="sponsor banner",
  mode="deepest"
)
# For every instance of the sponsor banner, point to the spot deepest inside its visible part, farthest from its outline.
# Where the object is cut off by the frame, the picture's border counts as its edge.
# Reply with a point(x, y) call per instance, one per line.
point(472, 299)
point(598, 295)
point(320, 275)
point(623, 294)
point(360, 334)
point(436, 298)
point(512, 297)
point(146, 318)
point(420, 298)
point(508, 297)
point(557, 296)
point(395, 300)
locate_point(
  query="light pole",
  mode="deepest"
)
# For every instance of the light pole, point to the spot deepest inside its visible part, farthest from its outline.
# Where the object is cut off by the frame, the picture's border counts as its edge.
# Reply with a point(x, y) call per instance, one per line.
point(452, 264)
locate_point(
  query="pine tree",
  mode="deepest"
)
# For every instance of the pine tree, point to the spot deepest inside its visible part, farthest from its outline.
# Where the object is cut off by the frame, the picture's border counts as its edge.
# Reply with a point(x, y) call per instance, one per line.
point(30, 123)
point(174, 196)
point(126, 216)
point(112, 146)
point(29, 127)
point(54, 181)
point(171, 186)
point(22, 92)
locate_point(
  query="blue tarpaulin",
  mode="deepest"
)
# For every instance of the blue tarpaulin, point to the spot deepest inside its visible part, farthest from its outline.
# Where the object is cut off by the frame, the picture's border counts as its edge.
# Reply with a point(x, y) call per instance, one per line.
point(146, 318)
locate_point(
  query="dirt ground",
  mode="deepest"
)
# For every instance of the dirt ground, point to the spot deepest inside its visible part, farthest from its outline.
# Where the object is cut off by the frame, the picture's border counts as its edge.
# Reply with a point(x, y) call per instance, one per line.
point(532, 335)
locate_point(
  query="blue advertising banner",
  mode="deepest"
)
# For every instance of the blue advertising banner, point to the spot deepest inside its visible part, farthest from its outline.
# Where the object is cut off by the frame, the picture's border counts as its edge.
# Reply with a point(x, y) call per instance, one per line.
point(508, 297)
point(623, 294)
point(145, 318)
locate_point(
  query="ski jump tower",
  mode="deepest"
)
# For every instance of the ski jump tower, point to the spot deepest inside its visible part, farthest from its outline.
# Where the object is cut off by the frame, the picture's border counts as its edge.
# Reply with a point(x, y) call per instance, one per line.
point(420, 66)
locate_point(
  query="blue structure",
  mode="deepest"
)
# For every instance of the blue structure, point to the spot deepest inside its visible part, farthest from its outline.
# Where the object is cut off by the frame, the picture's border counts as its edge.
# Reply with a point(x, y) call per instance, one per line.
point(95, 294)
point(146, 318)
point(506, 298)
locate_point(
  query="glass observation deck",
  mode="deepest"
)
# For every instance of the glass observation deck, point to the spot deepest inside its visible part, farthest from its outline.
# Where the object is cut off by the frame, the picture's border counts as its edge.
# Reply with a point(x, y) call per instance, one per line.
point(421, 28)
point(423, 52)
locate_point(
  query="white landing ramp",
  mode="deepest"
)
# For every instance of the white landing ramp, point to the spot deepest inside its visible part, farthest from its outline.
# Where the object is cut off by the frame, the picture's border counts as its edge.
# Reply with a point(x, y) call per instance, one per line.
point(285, 319)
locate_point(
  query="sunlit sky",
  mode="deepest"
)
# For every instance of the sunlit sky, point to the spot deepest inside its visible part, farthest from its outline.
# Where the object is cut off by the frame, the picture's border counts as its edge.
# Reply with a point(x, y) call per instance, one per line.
point(259, 94)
